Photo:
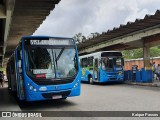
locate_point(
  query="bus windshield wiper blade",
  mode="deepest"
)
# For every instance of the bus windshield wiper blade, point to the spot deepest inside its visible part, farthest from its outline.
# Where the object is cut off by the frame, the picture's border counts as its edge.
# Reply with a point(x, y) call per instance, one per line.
point(59, 55)
point(53, 54)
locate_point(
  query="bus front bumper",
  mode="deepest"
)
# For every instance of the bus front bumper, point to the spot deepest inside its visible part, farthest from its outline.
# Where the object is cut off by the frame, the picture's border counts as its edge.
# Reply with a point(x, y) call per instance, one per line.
point(48, 95)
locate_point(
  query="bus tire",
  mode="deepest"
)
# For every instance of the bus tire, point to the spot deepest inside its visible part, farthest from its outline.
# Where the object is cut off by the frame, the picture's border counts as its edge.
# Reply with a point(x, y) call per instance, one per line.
point(90, 79)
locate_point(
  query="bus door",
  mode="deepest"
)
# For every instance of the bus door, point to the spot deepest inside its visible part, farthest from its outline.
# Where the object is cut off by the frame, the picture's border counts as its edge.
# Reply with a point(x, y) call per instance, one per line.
point(20, 82)
point(90, 65)
point(96, 69)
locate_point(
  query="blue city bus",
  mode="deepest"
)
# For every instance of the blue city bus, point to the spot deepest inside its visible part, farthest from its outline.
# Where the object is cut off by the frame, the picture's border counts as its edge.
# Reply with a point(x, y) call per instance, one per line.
point(104, 66)
point(43, 68)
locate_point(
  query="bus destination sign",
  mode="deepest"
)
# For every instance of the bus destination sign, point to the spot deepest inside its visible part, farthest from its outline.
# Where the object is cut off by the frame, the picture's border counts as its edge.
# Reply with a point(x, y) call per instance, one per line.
point(52, 42)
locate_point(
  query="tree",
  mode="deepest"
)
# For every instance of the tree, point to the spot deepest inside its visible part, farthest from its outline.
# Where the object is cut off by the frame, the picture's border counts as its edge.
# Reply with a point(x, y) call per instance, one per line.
point(92, 35)
point(83, 38)
point(154, 52)
point(133, 54)
point(79, 37)
point(138, 53)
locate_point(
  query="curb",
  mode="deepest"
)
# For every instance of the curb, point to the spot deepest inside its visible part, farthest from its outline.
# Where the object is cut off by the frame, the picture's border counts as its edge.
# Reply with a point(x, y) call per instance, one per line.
point(143, 84)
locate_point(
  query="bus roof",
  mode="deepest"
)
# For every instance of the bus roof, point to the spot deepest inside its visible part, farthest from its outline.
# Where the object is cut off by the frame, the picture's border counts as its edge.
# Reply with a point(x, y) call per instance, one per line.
point(45, 37)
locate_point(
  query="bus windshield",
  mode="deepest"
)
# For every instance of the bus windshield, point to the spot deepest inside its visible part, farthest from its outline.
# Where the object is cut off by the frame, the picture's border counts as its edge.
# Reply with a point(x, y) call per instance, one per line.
point(50, 63)
point(112, 63)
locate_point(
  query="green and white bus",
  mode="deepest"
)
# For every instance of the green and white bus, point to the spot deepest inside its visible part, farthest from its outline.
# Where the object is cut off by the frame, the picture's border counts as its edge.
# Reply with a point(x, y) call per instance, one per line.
point(102, 67)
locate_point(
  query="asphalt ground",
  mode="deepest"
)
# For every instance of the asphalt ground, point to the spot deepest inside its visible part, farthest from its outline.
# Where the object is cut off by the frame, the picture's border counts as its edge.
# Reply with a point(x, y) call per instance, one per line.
point(98, 97)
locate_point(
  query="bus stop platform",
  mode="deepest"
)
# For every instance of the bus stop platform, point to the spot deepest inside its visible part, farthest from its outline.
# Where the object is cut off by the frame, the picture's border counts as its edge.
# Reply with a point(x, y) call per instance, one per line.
point(153, 84)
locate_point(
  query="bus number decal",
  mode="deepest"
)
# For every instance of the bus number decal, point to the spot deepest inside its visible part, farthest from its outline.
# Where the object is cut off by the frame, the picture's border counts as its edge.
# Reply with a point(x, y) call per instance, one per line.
point(83, 71)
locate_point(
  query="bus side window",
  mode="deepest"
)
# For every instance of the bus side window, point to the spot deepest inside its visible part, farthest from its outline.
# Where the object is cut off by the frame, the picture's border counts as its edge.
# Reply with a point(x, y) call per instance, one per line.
point(81, 62)
point(84, 62)
point(19, 56)
point(90, 61)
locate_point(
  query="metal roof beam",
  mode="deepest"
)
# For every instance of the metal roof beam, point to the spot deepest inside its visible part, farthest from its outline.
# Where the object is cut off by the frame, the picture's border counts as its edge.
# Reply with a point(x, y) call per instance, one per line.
point(9, 10)
point(138, 35)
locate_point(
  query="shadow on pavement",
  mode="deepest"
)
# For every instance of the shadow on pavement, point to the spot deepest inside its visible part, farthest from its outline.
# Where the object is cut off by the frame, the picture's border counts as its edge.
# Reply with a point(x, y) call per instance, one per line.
point(9, 102)
point(45, 105)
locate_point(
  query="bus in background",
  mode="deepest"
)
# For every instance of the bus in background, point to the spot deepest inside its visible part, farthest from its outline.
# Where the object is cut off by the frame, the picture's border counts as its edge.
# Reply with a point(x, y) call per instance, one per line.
point(43, 68)
point(102, 67)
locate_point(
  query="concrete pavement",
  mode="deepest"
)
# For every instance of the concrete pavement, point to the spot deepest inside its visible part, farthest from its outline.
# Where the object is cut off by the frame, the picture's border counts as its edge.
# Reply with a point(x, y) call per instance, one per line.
point(107, 97)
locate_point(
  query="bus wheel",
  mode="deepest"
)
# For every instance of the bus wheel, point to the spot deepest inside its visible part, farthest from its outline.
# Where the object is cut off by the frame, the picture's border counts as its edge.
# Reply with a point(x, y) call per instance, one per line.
point(90, 80)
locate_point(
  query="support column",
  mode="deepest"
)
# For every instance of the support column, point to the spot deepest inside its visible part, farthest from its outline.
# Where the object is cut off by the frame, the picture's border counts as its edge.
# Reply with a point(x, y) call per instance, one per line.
point(146, 56)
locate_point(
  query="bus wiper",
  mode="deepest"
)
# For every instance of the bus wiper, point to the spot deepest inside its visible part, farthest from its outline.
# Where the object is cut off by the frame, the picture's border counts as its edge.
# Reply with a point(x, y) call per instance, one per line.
point(56, 60)
point(31, 58)
point(59, 55)
point(53, 63)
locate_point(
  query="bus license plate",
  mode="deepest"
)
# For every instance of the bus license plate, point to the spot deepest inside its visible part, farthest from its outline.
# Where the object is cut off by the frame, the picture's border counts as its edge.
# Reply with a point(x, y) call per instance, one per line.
point(57, 97)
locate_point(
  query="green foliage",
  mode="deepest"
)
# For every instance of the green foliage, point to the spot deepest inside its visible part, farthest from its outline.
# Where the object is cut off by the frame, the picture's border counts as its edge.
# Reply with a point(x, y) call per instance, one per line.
point(138, 53)
point(79, 37)
point(154, 52)
point(92, 35)
point(133, 54)
point(158, 47)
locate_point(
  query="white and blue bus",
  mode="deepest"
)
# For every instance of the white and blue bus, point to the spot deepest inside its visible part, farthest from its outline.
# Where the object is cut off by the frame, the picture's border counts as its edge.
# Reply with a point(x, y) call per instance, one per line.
point(43, 68)
point(102, 67)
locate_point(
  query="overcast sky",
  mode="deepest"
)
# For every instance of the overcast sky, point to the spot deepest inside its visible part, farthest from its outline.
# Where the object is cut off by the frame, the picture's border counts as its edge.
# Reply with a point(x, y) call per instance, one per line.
point(88, 16)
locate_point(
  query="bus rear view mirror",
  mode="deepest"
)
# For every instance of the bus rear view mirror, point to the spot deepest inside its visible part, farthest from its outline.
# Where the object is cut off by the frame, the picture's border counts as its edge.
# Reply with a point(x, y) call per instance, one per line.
point(19, 63)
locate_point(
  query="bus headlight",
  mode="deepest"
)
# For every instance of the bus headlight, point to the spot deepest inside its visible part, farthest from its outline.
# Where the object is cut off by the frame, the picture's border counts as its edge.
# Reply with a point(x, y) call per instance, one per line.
point(31, 87)
point(76, 84)
point(34, 89)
